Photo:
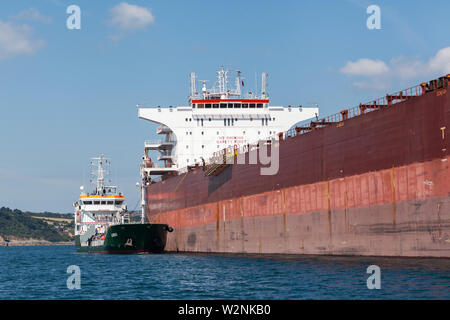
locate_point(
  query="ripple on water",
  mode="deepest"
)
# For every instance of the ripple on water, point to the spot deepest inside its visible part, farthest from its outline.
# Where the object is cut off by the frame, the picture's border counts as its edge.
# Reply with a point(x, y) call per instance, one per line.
point(40, 273)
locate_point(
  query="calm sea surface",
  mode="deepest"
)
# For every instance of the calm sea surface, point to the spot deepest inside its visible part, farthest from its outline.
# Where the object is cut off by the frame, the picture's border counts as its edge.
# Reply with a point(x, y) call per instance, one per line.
point(41, 273)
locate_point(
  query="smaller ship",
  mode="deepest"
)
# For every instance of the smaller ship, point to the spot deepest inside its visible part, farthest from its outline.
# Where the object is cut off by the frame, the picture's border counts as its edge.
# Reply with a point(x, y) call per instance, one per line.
point(103, 224)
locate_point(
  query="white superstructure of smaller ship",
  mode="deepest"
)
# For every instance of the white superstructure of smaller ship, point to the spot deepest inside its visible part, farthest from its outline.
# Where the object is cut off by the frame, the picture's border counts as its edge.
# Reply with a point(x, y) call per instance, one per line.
point(95, 212)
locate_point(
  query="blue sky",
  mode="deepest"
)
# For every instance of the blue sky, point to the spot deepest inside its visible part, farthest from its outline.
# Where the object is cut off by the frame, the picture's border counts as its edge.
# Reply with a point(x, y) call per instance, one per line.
point(69, 95)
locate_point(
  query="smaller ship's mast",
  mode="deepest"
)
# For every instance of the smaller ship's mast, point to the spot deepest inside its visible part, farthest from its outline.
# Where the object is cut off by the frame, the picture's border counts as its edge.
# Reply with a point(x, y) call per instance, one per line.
point(100, 172)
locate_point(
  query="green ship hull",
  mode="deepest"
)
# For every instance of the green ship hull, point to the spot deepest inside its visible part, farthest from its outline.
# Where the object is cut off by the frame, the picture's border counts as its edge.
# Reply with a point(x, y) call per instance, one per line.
point(129, 238)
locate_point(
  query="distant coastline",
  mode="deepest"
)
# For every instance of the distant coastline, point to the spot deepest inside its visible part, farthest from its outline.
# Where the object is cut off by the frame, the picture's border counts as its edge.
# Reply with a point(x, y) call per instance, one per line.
point(20, 228)
point(30, 243)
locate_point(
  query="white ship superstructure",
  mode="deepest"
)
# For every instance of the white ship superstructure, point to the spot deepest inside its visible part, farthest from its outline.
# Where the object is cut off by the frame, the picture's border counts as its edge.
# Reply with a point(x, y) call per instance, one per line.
point(213, 120)
point(95, 212)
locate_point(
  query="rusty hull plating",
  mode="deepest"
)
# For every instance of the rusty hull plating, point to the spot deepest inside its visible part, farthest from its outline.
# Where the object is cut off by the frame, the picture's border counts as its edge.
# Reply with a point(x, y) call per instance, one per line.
point(372, 180)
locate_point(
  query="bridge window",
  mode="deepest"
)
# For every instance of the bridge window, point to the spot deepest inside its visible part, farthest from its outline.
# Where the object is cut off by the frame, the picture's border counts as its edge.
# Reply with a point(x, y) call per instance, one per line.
point(87, 202)
point(119, 201)
point(103, 202)
point(193, 105)
point(245, 105)
point(223, 105)
point(259, 105)
point(200, 105)
point(208, 105)
point(252, 105)
point(96, 202)
point(237, 105)
point(215, 105)
point(110, 202)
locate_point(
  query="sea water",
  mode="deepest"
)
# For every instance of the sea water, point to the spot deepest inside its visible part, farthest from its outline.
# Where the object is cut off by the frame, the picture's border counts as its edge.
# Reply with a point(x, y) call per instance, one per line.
point(41, 272)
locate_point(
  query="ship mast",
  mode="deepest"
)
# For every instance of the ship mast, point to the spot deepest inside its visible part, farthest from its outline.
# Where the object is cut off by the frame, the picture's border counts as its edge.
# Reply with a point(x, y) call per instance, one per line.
point(221, 91)
point(194, 93)
point(222, 79)
point(264, 94)
point(101, 162)
point(238, 83)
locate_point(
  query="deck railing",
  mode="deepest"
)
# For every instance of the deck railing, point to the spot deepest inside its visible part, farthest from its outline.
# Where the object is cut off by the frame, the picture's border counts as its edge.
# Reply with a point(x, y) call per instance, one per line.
point(337, 118)
point(374, 105)
point(158, 142)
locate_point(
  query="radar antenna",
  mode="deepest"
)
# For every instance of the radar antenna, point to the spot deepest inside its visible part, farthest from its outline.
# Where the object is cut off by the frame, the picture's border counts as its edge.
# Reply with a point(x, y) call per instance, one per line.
point(101, 163)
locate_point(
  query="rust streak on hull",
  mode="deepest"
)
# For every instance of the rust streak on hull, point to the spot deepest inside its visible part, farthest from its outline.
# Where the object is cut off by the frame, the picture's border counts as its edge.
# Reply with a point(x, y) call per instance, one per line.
point(394, 205)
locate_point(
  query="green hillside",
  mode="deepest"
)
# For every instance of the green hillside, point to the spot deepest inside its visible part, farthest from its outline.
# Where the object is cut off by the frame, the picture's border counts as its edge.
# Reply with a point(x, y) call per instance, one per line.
point(22, 225)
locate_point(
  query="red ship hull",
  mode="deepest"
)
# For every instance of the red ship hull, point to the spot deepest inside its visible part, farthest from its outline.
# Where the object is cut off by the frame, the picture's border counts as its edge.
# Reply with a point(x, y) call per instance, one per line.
point(375, 184)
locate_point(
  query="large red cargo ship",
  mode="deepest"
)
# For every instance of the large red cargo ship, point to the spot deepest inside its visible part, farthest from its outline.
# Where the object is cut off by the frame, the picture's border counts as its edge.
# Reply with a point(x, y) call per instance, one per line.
point(370, 180)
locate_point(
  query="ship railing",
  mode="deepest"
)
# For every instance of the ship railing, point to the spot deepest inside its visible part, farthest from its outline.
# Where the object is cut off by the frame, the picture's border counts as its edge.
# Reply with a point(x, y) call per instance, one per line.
point(338, 118)
point(158, 141)
point(151, 143)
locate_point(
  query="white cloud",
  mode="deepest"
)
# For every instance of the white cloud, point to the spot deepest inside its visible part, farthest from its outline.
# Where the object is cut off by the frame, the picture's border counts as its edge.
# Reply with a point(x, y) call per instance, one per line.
point(406, 68)
point(130, 17)
point(32, 14)
point(16, 40)
point(376, 74)
point(376, 84)
point(440, 62)
point(365, 67)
